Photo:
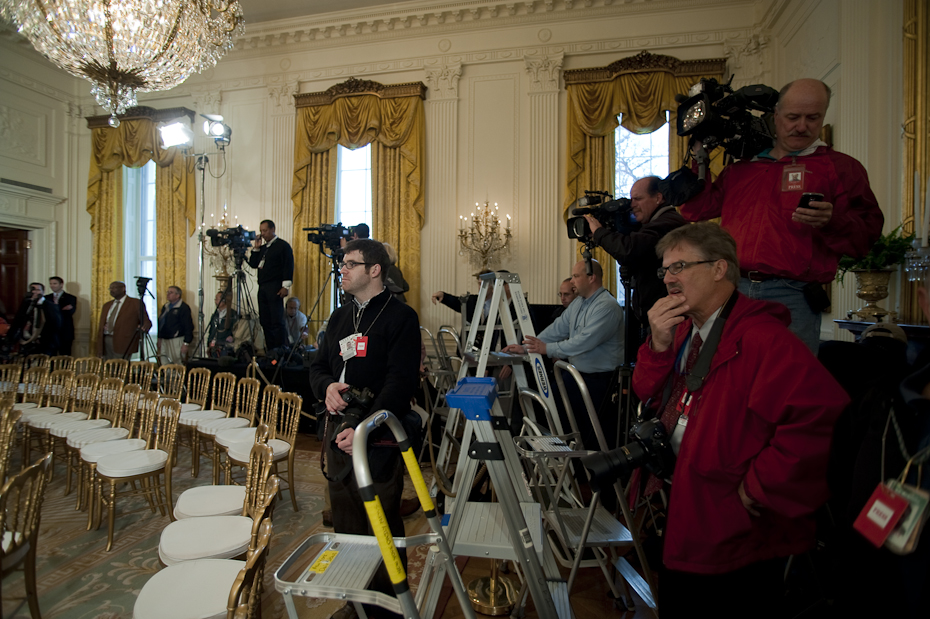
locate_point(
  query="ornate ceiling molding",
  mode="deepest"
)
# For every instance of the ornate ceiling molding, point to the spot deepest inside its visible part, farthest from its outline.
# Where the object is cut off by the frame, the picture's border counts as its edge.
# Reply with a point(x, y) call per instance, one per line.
point(429, 18)
point(135, 113)
point(354, 87)
point(646, 62)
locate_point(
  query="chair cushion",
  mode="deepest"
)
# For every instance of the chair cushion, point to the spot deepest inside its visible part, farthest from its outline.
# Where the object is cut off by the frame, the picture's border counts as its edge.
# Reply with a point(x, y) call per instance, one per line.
point(94, 452)
point(237, 435)
point(194, 417)
point(210, 501)
point(189, 590)
point(280, 448)
point(210, 537)
point(66, 428)
point(240, 451)
point(38, 411)
point(188, 407)
point(212, 426)
point(132, 463)
point(21, 406)
point(43, 422)
point(96, 435)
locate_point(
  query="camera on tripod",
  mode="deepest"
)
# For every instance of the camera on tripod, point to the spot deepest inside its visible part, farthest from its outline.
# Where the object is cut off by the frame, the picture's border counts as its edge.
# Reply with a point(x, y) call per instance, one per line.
point(717, 115)
point(238, 239)
point(330, 236)
point(359, 404)
point(615, 215)
point(650, 448)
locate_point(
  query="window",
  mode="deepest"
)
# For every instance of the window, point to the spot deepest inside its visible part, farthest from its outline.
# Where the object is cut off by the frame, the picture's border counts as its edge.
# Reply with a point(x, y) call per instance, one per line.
point(638, 156)
point(139, 235)
point(353, 186)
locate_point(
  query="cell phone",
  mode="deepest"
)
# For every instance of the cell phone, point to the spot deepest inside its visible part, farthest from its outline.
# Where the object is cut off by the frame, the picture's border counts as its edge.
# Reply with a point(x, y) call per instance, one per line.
point(807, 198)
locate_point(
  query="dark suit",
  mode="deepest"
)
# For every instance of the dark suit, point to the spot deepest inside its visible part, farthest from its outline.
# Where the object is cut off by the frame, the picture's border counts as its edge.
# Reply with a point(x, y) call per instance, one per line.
point(66, 333)
point(125, 340)
point(47, 341)
point(275, 265)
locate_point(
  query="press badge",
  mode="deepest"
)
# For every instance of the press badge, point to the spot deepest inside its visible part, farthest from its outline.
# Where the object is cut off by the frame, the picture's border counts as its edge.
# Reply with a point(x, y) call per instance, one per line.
point(793, 178)
point(361, 346)
point(347, 346)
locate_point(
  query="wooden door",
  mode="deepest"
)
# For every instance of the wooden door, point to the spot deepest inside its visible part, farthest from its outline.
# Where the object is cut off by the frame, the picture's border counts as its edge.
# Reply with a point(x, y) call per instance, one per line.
point(13, 262)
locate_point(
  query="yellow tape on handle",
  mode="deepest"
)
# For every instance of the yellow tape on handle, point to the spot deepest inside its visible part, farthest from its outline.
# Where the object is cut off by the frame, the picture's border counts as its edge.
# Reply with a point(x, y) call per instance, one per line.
point(416, 475)
point(379, 525)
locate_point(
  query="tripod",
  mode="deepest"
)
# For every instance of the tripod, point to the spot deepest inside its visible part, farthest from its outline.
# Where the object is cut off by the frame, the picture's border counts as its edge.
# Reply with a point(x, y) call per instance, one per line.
point(626, 401)
point(336, 277)
point(147, 349)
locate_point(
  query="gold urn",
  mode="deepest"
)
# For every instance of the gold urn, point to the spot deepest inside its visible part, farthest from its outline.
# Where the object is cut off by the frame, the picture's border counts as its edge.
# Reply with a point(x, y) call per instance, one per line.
point(871, 287)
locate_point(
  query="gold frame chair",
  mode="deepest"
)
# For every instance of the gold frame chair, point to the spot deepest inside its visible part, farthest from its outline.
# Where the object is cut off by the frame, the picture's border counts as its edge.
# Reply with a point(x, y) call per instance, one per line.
point(109, 407)
point(20, 513)
point(37, 360)
point(246, 408)
point(162, 437)
point(115, 368)
point(270, 405)
point(61, 362)
point(8, 418)
point(35, 383)
point(198, 386)
point(10, 375)
point(171, 379)
point(87, 365)
point(223, 398)
point(141, 373)
point(56, 390)
point(83, 400)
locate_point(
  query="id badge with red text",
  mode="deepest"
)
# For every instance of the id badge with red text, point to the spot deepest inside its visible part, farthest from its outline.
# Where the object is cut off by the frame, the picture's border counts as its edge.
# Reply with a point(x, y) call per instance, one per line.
point(361, 346)
point(793, 178)
point(881, 513)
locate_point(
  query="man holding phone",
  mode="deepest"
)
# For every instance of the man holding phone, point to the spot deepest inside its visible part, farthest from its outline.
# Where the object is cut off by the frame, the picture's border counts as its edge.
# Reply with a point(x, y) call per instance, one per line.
point(794, 210)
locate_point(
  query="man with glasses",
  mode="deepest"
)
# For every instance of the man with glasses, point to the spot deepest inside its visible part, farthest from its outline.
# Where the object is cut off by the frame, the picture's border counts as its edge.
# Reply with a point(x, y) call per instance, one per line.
point(794, 210)
point(273, 258)
point(750, 413)
point(589, 334)
point(372, 342)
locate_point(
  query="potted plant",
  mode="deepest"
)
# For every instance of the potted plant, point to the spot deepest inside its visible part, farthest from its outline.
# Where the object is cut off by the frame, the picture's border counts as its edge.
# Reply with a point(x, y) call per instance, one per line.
point(873, 271)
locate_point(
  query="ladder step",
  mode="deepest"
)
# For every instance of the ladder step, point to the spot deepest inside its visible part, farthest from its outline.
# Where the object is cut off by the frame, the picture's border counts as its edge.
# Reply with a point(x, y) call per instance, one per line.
point(484, 532)
point(636, 581)
point(605, 529)
point(558, 589)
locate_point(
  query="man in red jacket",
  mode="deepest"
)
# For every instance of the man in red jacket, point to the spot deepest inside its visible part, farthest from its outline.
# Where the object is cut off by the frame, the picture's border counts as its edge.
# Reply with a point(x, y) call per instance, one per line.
point(786, 250)
point(753, 434)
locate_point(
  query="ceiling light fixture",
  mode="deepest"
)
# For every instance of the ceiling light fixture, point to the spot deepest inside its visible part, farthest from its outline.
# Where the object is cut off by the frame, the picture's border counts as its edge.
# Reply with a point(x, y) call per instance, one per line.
point(128, 46)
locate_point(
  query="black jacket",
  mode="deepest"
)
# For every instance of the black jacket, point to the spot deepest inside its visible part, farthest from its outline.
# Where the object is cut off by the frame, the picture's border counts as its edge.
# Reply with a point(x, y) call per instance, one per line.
point(638, 251)
point(279, 263)
point(66, 333)
point(176, 322)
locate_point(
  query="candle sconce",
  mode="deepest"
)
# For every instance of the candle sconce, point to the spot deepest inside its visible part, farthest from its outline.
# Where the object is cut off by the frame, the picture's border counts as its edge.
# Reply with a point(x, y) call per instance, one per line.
point(483, 237)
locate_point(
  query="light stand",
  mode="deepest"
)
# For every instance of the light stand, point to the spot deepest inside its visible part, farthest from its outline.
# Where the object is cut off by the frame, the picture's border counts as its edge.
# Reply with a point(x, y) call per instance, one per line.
point(625, 403)
point(201, 165)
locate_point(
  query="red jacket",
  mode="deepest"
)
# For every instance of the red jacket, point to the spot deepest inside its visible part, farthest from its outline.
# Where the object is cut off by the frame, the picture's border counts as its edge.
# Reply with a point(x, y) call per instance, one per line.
point(764, 415)
point(748, 198)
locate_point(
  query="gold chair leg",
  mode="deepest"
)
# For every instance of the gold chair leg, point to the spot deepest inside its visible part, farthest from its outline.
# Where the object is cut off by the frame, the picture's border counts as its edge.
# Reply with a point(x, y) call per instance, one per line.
point(216, 463)
point(111, 515)
point(290, 479)
point(32, 594)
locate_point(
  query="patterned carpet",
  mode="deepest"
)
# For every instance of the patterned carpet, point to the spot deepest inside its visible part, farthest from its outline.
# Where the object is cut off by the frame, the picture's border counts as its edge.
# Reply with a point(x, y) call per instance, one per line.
point(78, 579)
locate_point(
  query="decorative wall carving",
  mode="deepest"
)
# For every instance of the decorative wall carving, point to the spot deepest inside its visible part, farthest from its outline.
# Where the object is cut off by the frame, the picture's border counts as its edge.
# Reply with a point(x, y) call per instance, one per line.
point(444, 81)
point(747, 60)
point(282, 96)
point(208, 102)
point(22, 135)
point(353, 87)
point(544, 72)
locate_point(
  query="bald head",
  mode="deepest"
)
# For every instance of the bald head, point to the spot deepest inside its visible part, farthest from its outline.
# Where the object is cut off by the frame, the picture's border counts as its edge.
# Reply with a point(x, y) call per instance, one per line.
point(799, 114)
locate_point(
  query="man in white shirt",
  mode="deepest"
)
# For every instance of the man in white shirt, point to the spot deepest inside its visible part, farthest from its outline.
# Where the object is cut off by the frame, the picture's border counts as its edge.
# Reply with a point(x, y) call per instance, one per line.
point(295, 321)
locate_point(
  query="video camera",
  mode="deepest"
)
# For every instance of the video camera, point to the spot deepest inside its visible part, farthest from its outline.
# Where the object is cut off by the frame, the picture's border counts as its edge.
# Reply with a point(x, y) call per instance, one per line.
point(650, 448)
point(359, 404)
point(717, 115)
point(330, 236)
point(238, 239)
point(615, 215)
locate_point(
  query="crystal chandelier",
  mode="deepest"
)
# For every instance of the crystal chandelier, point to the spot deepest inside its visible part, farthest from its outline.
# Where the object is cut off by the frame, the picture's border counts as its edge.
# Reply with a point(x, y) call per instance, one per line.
point(128, 46)
point(482, 237)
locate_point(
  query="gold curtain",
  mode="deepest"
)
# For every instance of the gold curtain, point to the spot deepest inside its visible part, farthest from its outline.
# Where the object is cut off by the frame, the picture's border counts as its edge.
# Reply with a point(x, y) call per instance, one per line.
point(353, 115)
point(636, 93)
point(133, 144)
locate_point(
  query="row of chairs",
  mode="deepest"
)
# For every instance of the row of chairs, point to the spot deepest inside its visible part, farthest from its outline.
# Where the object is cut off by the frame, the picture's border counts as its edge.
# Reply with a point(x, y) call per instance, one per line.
point(132, 371)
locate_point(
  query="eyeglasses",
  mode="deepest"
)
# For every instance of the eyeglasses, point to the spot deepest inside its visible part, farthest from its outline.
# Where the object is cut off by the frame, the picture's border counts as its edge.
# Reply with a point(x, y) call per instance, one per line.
point(677, 267)
point(348, 265)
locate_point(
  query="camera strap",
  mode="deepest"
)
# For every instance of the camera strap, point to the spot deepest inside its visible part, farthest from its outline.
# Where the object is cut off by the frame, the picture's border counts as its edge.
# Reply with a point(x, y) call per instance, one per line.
point(698, 373)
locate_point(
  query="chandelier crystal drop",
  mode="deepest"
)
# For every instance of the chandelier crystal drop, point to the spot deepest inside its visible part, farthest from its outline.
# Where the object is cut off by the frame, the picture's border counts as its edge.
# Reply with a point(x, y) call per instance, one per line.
point(128, 46)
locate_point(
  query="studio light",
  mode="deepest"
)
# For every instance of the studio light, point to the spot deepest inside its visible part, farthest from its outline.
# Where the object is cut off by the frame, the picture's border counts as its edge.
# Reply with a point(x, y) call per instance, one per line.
point(217, 129)
point(176, 133)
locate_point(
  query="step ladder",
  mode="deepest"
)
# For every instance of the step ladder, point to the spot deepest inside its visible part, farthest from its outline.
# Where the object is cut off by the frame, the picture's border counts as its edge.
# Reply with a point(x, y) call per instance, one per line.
point(345, 565)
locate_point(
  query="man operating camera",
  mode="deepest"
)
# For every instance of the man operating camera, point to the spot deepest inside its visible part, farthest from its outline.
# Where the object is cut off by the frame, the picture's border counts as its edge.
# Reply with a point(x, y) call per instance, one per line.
point(637, 249)
point(371, 342)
